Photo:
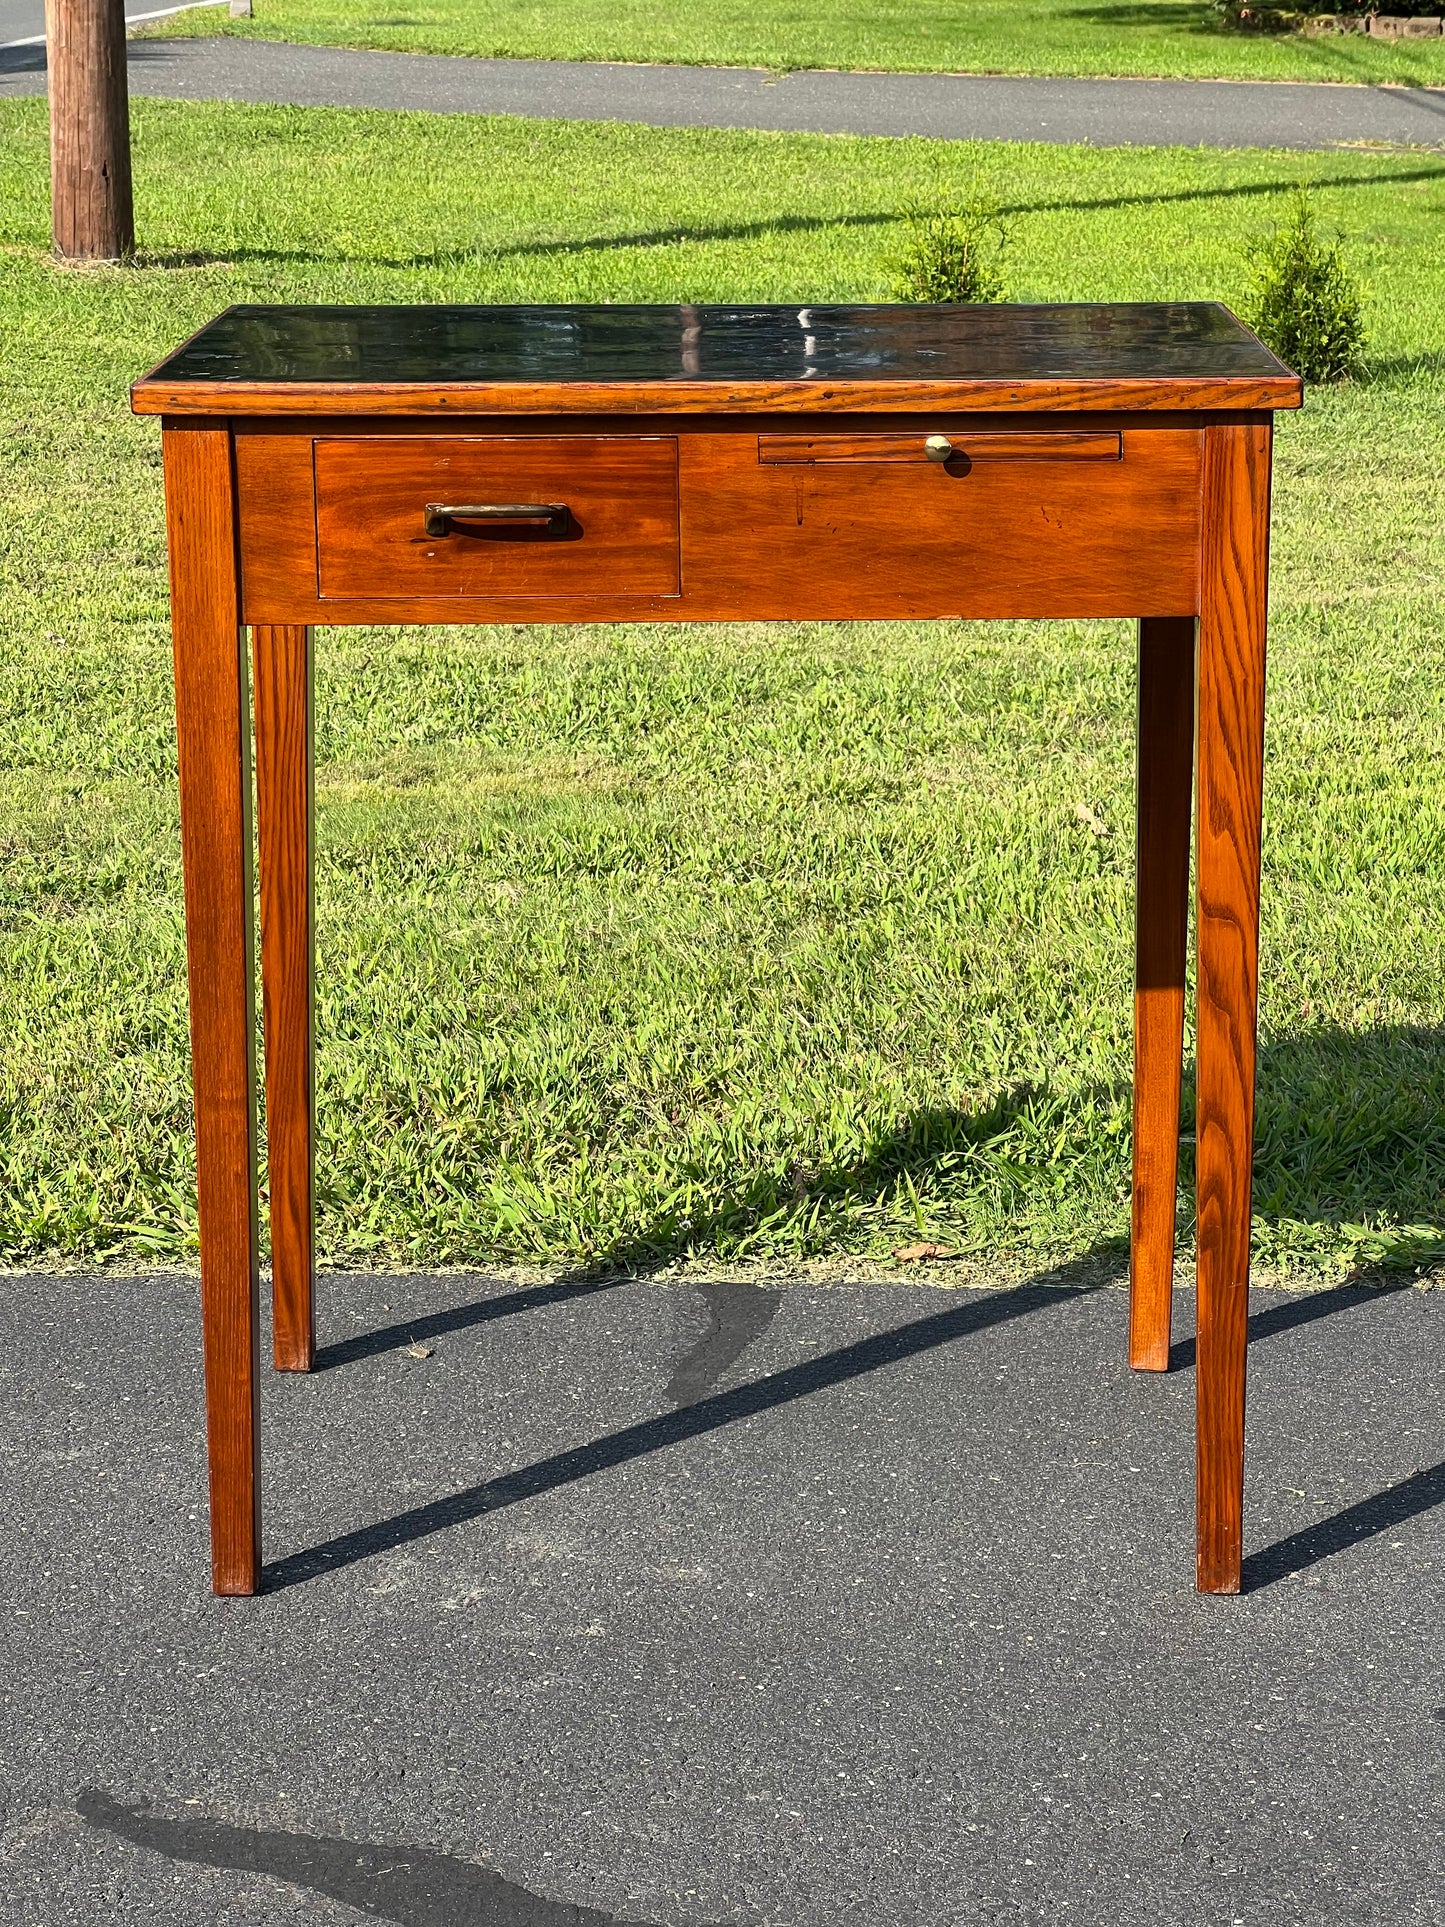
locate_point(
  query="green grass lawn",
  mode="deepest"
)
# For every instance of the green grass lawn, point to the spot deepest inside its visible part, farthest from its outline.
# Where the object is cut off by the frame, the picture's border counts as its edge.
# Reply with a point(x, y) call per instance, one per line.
point(776, 940)
point(973, 36)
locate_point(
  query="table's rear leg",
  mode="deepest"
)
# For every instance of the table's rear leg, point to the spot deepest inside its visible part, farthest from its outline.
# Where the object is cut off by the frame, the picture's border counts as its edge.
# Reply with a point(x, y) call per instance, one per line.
point(284, 813)
point(213, 744)
point(1231, 765)
point(1161, 935)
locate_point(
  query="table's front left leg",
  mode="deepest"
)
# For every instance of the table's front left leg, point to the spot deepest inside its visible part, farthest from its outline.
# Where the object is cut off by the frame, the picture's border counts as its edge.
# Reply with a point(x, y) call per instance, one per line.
point(284, 813)
point(1234, 565)
point(213, 736)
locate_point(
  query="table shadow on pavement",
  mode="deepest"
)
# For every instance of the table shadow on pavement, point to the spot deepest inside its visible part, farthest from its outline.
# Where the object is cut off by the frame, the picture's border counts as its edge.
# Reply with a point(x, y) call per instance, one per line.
point(687, 1421)
point(738, 1313)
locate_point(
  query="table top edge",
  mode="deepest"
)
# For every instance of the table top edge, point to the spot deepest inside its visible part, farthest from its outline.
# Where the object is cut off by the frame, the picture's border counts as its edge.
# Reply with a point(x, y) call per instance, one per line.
point(1179, 394)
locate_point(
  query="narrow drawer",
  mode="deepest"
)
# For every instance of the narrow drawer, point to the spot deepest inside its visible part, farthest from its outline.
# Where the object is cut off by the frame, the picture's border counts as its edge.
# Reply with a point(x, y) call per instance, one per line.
point(402, 517)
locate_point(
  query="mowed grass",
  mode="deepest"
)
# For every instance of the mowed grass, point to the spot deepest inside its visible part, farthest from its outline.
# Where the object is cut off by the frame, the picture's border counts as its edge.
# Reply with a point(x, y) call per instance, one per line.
point(775, 941)
point(1168, 37)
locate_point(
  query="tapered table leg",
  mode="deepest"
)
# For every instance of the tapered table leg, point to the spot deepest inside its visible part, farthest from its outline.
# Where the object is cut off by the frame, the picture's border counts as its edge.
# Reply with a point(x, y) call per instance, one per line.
point(213, 735)
point(1233, 573)
point(1161, 936)
point(284, 818)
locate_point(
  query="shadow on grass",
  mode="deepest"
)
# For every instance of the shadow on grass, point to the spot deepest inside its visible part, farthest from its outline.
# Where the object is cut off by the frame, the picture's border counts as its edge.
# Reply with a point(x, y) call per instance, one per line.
point(1387, 368)
point(1012, 210)
point(1336, 57)
point(460, 257)
point(1170, 16)
point(1349, 1136)
point(706, 234)
point(928, 1143)
point(1350, 1141)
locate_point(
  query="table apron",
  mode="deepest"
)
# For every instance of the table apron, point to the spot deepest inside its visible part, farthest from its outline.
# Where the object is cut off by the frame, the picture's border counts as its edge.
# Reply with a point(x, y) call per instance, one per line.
point(719, 521)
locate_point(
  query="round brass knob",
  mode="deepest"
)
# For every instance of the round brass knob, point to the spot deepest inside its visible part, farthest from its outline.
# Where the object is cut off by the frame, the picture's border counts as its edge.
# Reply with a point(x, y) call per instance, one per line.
point(938, 448)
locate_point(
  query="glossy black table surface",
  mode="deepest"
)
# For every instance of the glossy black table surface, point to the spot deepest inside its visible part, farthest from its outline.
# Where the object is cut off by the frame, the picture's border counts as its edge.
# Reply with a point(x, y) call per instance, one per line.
point(1092, 341)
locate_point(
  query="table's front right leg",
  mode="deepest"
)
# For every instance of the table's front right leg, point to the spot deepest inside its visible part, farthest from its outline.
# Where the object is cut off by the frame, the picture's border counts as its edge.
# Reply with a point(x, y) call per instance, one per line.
point(213, 744)
point(1231, 770)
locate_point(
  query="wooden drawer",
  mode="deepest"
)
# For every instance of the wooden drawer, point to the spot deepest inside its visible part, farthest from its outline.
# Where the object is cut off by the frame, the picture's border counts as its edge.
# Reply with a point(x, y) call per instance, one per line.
point(402, 517)
point(1035, 519)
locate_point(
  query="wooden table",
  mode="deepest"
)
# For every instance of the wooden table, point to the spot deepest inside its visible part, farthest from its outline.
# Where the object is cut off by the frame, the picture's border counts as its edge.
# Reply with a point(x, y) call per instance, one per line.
point(626, 464)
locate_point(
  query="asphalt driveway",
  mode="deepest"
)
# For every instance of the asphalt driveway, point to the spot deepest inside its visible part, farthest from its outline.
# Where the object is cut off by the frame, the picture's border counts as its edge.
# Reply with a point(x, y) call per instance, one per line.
point(1187, 113)
point(681, 1605)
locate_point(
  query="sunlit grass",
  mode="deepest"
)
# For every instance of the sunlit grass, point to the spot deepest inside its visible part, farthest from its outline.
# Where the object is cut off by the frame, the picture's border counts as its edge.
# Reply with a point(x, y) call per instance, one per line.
point(636, 941)
point(1168, 37)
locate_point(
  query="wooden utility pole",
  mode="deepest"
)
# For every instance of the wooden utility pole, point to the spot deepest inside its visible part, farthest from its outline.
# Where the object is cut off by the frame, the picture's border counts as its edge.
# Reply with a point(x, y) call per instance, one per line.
point(91, 217)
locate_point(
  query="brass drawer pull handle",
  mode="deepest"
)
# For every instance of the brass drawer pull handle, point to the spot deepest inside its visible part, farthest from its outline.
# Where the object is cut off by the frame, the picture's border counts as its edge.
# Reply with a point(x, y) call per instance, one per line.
point(957, 452)
point(438, 517)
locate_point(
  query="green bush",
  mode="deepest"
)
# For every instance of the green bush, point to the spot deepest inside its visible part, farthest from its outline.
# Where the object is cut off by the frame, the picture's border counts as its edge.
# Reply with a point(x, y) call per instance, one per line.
point(1305, 302)
point(1260, 17)
point(950, 254)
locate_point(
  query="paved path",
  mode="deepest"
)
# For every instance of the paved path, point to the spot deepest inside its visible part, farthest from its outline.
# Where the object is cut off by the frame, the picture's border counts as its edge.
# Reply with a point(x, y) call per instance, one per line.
point(795, 1608)
point(22, 22)
point(949, 106)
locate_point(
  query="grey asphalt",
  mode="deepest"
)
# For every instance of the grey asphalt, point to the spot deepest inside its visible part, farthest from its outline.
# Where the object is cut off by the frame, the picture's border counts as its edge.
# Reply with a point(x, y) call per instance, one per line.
point(808, 1606)
point(947, 106)
point(22, 22)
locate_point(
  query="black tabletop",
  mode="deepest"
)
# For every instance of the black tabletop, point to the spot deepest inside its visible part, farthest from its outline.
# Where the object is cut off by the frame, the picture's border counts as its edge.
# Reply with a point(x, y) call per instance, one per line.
point(1089, 341)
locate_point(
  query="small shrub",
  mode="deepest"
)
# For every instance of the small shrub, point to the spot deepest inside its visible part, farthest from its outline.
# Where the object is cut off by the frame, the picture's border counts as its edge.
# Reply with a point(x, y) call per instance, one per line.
point(950, 254)
point(1259, 16)
point(1305, 302)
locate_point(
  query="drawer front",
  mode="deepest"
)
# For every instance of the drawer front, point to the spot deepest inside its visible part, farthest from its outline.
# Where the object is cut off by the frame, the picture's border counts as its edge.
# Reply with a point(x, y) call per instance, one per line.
point(401, 517)
point(1030, 521)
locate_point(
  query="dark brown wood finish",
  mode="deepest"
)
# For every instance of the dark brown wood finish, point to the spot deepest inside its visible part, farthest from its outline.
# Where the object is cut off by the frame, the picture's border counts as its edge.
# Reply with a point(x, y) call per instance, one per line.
point(1231, 770)
point(284, 808)
point(214, 743)
point(1161, 925)
point(342, 426)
